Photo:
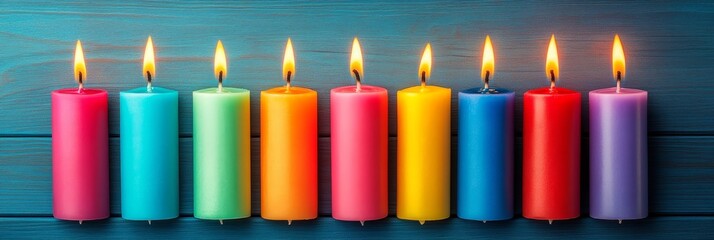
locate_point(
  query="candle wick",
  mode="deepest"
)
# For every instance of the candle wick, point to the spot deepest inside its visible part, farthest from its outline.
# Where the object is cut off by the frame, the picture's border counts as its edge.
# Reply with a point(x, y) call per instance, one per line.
point(220, 81)
point(287, 80)
point(485, 80)
point(423, 79)
point(552, 79)
point(81, 83)
point(148, 82)
point(358, 80)
point(619, 79)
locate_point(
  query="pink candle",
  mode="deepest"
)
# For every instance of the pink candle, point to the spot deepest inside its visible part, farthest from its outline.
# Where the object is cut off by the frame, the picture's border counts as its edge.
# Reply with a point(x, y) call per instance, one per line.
point(359, 148)
point(80, 164)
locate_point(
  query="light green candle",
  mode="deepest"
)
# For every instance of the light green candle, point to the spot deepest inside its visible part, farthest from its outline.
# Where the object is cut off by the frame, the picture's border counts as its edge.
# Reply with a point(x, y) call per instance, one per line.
point(221, 151)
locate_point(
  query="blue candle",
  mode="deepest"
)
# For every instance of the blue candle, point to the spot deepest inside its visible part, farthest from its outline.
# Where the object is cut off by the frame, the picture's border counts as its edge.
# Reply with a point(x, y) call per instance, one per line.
point(485, 155)
point(149, 153)
point(149, 150)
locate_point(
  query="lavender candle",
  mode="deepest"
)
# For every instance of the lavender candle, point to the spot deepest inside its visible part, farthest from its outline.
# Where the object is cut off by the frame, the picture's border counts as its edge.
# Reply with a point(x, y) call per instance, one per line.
point(618, 148)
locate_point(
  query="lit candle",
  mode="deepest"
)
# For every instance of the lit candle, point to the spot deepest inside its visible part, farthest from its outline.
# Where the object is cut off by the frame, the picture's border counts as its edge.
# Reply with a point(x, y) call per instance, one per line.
point(221, 148)
point(358, 116)
point(423, 149)
point(618, 148)
point(551, 148)
point(485, 164)
point(288, 148)
point(80, 164)
point(149, 148)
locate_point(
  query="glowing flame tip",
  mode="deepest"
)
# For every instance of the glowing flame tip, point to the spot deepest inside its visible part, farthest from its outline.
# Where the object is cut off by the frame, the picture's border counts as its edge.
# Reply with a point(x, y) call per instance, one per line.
point(618, 59)
point(80, 68)
point(289, 62)
point(356, 62)
point(425, 65)
point(149, 62)
point(220, 64)
point(488, 64)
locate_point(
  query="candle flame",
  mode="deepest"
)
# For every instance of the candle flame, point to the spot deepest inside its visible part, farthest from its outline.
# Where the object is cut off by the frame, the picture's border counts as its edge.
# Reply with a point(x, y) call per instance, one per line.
point(219, 63)
point(149, 63)
point(618, 59)
point(551, 64)
point(80, 69)
point(289, 62)
point(425, 65)
point(488, 64)
point(356, 60)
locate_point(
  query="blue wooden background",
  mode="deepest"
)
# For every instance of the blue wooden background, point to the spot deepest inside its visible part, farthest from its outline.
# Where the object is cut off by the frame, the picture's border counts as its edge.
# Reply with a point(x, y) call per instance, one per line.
point(669, 48)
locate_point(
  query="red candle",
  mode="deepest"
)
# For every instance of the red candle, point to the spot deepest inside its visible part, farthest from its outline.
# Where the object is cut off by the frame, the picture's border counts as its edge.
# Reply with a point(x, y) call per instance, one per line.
point(359, 148)
point(551, 149)
point(80, 164)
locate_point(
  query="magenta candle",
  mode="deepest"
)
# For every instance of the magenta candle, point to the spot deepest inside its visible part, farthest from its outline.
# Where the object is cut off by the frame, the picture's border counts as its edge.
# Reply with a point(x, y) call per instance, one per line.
point(359, 148)
point(618, 148)
point(80, 164)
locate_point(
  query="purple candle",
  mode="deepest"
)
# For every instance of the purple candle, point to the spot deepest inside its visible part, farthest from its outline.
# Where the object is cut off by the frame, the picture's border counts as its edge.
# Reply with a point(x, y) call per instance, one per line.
point(618, 148)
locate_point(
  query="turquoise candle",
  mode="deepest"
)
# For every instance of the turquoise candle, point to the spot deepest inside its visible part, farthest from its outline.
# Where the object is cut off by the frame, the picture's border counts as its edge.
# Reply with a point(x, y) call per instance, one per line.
point(149, 148)
point(149, 153)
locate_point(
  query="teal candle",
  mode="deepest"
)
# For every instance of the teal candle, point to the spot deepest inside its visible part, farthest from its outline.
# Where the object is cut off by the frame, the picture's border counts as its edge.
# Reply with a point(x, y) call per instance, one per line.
point(149, 148)
point(149, 153)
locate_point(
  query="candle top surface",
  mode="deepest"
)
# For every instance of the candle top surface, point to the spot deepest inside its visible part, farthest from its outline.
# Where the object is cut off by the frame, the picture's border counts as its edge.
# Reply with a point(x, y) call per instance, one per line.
point(214, 90)
point(424, 90)
point(86, 91)
point(613, 90)
point(489, 91)
point(154, 90)
point(292, 91)
point(365, 89)
point(554, 91)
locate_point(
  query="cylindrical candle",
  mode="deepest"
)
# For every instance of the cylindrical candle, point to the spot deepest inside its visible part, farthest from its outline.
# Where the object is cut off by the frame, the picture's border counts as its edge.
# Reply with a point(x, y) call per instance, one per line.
point(359, 153)
point(485, 155)
point(288, 149)
point(80, 164)
point(618, 147)
point(551, 154)
point(221, 155)
point(618, 154)
point(423, 153)
point(149, 153)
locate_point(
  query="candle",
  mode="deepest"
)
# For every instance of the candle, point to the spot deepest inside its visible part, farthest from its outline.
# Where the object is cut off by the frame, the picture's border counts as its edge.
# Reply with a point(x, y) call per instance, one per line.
point(80, 164)
point(551, 148)
point(423, 149)
point(221, 148)
point(485, 163)
point(618, 148)
point(359, 147)
point(288, 149)
point(149, 148)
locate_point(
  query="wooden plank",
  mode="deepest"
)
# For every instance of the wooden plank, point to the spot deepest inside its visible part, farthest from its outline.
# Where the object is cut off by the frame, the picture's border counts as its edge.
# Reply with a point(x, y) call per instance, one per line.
point(681, 175)
point(390, 228)
point(669, 50)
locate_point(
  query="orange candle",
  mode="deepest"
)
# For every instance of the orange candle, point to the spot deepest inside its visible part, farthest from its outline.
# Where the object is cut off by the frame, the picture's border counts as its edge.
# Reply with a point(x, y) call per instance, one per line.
point(288, 149)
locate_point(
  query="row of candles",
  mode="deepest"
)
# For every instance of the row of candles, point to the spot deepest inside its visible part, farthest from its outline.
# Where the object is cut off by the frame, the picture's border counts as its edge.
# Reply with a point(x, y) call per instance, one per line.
point(288, 161)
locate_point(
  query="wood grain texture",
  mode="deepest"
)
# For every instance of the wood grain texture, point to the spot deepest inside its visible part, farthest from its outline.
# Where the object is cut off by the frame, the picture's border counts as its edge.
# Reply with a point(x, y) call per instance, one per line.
point(390, 228)
point(669, 47)
point(681, 176)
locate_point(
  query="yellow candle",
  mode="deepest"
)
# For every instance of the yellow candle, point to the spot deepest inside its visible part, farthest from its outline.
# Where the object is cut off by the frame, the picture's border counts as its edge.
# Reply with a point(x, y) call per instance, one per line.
point(423, 149)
